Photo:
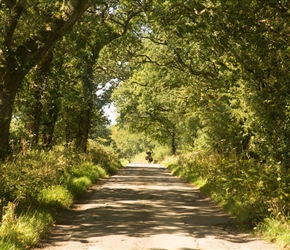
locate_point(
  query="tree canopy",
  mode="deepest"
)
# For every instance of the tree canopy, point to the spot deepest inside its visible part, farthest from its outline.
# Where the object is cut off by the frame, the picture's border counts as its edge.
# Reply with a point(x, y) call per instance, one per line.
point(210, 75)
point(216, 73)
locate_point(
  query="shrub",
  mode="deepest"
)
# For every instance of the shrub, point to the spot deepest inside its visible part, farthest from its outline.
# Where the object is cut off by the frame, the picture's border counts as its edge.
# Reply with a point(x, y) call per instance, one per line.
point(26, 175)
point(248, 189)
point(56, 197)
point(79, 185)
point(45, 181)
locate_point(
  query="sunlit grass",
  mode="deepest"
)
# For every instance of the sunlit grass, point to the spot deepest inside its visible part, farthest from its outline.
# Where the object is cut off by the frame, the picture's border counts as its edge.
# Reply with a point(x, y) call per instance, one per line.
point(91, 171)
point(21, 232)
point(79, 185)
point(275, 231)
point(56, 197)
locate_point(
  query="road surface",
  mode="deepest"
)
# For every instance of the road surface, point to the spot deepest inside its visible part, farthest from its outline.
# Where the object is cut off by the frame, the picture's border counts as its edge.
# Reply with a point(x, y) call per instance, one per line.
point(144, 207)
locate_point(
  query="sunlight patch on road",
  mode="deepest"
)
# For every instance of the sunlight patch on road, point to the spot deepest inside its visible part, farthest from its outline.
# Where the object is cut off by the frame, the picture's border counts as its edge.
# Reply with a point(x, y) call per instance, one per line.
point(148, 187)
point(151, 165)
point(160, 241)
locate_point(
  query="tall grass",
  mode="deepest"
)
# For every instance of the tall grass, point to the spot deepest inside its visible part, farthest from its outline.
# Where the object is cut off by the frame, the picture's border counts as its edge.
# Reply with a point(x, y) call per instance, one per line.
point(35, 187)
point(276, 231)
point(24, 230)
point(56, 198)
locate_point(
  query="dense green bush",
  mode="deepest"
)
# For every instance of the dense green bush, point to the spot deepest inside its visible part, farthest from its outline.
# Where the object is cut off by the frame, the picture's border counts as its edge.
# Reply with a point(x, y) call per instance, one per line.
point(242, 185)
point(91, 171)
point(25, 175)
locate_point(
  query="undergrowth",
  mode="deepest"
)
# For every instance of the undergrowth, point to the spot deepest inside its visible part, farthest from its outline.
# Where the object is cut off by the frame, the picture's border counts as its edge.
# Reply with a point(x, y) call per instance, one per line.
point(256, 194)
point(37, 186)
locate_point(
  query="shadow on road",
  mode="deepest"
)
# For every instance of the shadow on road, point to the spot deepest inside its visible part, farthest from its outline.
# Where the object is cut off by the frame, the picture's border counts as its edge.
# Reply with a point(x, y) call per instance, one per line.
point(144, 201)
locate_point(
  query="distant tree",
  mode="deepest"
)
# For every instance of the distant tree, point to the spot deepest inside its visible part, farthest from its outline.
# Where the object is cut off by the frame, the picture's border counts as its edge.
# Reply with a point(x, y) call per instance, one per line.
point(129, 144)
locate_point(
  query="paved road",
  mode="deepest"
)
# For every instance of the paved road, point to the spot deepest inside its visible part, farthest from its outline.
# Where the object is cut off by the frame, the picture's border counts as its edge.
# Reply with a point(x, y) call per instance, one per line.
point(145, 207)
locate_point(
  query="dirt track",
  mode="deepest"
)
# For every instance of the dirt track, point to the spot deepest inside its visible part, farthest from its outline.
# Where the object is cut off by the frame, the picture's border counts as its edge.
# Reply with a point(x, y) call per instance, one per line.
point(145, 207)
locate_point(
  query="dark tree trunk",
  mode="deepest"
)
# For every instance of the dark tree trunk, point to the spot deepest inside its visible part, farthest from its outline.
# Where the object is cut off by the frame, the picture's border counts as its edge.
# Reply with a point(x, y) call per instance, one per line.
point(173, 143)
point(85, 115)
point(83, 130)
point(48, 127)
point(35, 107)
point(49, 116)
point(9, 86)
point(34, 117)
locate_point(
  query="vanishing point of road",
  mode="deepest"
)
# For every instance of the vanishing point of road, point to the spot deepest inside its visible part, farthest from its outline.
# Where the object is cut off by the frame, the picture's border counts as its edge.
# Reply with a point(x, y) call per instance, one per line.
point(144, 207)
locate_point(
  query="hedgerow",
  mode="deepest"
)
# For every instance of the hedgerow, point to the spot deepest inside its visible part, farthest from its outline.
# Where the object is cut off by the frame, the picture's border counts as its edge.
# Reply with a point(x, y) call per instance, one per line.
point(36, 186)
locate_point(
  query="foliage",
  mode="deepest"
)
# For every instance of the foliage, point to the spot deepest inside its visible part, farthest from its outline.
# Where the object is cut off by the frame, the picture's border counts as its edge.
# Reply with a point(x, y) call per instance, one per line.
point(147, 101)
point(25, 175)
point(78, 185)
point(254, 193)
point(128, 144)
point(209, 79)
point(198, 62)
point(216, 73)
point(159, 153)
point(45, 184)
point(90, 170)
point(30, 30)
point(49, 55)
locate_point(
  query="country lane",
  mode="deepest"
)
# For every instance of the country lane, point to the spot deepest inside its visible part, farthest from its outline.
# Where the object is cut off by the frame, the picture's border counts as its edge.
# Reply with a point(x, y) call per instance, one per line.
point(144, 207)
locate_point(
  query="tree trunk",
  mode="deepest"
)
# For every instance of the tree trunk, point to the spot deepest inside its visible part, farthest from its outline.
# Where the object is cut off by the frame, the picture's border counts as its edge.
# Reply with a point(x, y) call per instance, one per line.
point(35, 107)
point(48, 126)
point(173, 146)
point(34, 117)
point(85, 115)
point(83, 130)
point(50, 115)
point(9, 86)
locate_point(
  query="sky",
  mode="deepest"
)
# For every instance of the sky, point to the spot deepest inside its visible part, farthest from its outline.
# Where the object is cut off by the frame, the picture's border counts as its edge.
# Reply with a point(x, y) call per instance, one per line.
point(110, 112)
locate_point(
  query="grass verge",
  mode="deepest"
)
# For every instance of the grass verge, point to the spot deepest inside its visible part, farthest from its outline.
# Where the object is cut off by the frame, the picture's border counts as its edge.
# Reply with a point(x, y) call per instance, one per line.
point(273, 229)
point(276, 231)
point(24, 230)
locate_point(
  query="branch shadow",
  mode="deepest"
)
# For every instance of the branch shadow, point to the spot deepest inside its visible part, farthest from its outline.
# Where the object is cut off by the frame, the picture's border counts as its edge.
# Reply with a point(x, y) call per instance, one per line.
point(144, 201)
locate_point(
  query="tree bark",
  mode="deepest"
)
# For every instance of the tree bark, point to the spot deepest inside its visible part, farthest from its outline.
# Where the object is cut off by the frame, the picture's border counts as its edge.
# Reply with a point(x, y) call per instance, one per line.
point(49, 124)
point(35, 107)
point(7, 97)
point(173, 146)
point(85, 115)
